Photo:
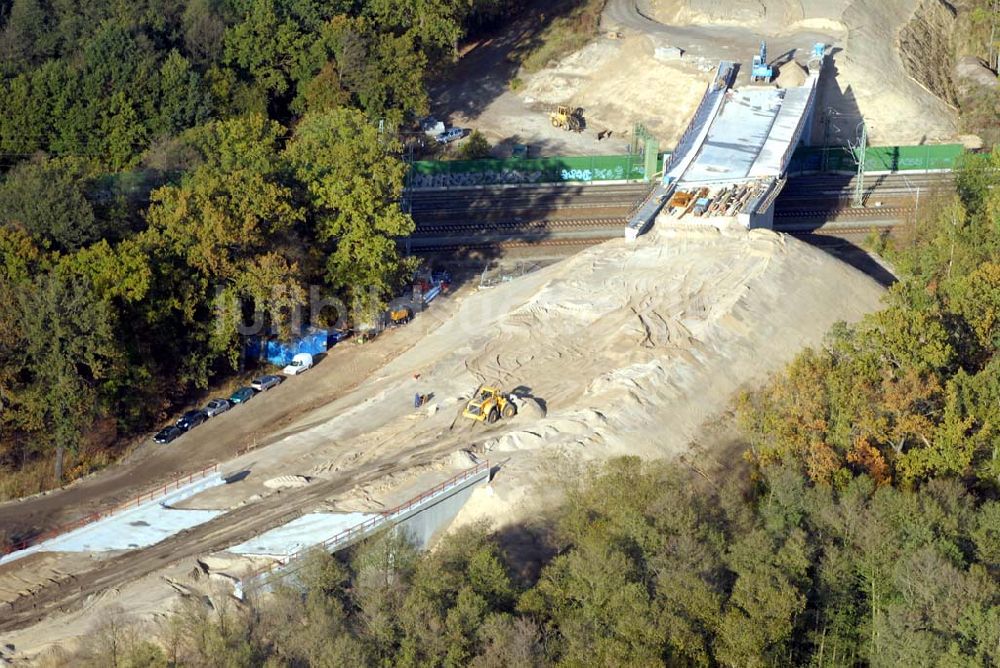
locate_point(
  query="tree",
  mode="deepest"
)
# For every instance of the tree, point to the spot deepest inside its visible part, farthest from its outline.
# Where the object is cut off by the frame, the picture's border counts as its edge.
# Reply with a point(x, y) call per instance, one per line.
point(204, 26)
point(393, 87)
point(354, 179)
point(48, 198)
point(125, 136)
point(475, 147)
point(263, 45)
point(184, 102)
point(22, 115)
point(68, 349)
point(28, 36)
point(436, 24)
point(227, 221)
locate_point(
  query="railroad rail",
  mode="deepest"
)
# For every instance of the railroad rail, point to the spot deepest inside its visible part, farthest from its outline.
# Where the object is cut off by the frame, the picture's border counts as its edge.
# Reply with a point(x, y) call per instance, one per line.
point(515, 225)
point(426, 207)
point(849, 212)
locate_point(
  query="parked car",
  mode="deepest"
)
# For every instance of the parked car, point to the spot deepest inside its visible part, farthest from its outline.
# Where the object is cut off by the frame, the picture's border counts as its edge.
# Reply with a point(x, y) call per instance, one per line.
point(301, 362)
point(168, 434)
point(265, 383)
point(216, 406)
point(450, 135)
point(335, 336)
point(241, 396)
point(192, 419)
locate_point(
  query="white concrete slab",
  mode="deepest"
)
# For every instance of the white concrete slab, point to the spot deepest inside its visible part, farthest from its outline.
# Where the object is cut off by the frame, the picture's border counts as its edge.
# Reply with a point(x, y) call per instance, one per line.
point(693, 137)
point(736, 137)
point(785, 131)
point(131, 528)
point(303, 532)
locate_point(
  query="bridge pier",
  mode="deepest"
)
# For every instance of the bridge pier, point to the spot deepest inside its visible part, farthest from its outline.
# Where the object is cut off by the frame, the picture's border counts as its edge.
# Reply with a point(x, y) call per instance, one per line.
point(758, 218)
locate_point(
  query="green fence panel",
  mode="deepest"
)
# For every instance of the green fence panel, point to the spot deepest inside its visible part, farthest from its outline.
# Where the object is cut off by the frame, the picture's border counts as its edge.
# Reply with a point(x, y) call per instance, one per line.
point(450, 173)
point(877, 158)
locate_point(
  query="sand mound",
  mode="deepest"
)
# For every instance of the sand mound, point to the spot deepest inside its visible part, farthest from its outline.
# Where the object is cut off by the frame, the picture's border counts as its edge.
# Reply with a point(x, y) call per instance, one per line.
point(625, 348)
point(767, 14)
point(286, 481)
point(530, 408)
point(461, 459)
point(635, 348)
point(790, 75)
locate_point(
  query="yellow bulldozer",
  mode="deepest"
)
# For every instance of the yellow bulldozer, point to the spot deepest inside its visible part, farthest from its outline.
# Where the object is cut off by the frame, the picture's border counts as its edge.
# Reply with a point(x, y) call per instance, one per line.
point(488, 404)
point(566, 118)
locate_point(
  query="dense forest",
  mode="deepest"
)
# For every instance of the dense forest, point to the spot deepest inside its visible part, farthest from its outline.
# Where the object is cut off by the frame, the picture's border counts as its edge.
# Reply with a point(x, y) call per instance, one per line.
point(864, 529)
point(170, 168)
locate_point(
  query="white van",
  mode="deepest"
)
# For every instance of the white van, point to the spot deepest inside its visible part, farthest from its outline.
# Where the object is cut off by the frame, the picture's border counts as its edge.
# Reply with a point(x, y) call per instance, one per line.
point(299, 363)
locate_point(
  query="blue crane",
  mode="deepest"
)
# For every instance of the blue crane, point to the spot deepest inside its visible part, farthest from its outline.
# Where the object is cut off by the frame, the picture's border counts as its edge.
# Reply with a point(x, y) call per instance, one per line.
point(761, 71)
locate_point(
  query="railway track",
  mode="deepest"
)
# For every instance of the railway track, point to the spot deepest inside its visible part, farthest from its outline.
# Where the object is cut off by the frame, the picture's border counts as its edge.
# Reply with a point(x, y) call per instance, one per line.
point(901, 212)
point(433, 206)
point(561, 215)
point(596, 236)
point(514, 244)
point(844, 182)
point(517, 225)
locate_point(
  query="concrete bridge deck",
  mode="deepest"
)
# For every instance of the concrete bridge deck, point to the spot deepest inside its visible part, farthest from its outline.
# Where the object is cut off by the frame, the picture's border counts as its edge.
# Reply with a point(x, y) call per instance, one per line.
point(740, 142)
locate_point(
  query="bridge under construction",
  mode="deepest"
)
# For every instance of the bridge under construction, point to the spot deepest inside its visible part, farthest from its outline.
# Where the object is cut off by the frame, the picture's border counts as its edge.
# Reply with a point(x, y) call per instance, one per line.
point(732, 160)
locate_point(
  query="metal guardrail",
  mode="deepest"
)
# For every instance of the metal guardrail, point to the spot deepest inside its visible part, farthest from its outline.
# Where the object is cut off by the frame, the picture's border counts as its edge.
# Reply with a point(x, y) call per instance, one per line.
point(146, 497)
point(767, 198)
point(719, 85)
point(807, 113)
point(358, 531)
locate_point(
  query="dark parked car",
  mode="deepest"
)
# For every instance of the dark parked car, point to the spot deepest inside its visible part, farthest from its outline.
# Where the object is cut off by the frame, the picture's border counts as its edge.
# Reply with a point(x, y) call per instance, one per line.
point(265, 383)
point(216, 406)
point(168, 434)
point(242, 395)
point(192, 419)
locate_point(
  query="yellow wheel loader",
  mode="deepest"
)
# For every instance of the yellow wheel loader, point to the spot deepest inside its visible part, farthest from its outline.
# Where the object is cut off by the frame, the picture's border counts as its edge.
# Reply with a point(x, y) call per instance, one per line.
point(566, 118)
point(489, 404)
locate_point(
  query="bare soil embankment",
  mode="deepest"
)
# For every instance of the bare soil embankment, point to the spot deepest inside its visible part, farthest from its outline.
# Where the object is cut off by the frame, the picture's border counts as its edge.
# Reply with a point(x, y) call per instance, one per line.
point(625, 348)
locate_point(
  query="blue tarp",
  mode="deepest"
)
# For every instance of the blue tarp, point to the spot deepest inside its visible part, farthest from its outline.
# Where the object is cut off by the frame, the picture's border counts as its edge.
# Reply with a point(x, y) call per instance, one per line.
point(280, 353)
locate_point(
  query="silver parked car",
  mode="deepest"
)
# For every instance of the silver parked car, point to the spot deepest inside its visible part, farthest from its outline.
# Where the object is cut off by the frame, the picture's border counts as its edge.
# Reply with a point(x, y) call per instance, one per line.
point(450, 135)
point(265, 383)
point(216, 406)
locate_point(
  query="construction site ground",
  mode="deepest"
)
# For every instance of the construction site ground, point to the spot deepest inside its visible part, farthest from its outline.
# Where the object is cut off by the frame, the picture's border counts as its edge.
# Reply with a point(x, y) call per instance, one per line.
point(264, 420)
point(625, 348)
point(621, 82)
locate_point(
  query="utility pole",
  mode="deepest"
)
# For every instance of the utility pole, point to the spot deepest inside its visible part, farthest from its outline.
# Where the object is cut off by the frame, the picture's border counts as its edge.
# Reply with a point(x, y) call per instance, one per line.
point(859, 158)
point(994, 65)
point(916, 203)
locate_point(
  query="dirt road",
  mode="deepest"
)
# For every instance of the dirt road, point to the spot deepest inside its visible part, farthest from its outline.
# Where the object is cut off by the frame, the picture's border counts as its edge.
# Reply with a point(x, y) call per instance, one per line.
point(71, 591)
point(716, 42)
point(476, 95)
point(263, 420)
point(225, 530)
